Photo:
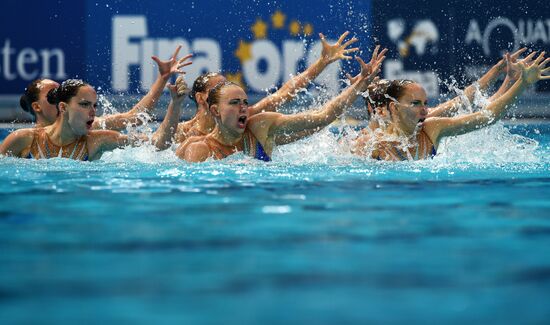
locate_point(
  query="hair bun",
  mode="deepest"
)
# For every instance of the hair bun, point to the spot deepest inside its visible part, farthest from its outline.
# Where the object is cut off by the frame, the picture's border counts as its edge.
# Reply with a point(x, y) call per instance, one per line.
point(24, 103)
point(52, 96)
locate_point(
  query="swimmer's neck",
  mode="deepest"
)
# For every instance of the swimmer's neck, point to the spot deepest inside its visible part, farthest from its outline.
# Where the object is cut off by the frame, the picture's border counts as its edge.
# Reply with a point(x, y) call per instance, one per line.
point(41, 124)
point(60, 132)
point(402, 132)
point(226, 137)
point(404, 129)
point(41, 121)
point(202, 121)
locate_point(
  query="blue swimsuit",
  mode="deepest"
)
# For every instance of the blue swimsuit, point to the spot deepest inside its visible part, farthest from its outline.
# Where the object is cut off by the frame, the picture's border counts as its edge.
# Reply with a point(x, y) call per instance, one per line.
point(254, 148)
point(250, 146)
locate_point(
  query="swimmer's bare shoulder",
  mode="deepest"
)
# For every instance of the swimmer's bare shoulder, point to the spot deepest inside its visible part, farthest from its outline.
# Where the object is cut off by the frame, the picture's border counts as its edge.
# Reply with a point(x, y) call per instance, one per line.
point(369, 144)
point(182, 131)
point(194, 149)
point(18, 143)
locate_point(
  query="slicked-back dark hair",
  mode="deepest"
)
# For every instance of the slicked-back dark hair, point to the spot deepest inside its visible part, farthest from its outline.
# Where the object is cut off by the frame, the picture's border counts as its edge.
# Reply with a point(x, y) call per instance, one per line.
point(214, 93)
point(201, 83)
point(67, 90)
point(382, 92)
point(31, 95)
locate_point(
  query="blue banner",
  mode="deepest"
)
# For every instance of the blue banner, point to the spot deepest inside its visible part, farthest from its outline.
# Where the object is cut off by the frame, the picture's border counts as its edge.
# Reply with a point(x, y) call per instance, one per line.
point(258, 44)
point(451, 43)
point(40, 39)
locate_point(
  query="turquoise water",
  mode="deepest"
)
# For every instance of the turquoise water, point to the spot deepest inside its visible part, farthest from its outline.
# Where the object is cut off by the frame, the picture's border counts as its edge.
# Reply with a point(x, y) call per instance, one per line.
point(315, 237)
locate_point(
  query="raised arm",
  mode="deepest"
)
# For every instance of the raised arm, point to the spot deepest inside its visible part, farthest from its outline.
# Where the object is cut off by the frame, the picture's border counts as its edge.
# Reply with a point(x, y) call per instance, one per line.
point(438, 128)
point(283, 125)
point(292, 137)
point(162, 138)
point(451, 106)
point(513, 73)
point(107, 140)
point(330, 53)
point(148, 102)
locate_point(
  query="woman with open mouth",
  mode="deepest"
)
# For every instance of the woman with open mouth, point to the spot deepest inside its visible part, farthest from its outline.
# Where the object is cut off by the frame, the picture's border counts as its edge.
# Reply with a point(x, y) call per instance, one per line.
point(72, 136)
point(203, 122)
point(257, 135)
point(407, 130)
point(34, 99)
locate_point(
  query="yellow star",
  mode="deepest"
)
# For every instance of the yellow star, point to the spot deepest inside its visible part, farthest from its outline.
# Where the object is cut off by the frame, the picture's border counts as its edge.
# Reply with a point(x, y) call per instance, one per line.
point(294, 28)
point(244, 51)
point(308, 29)
point(259, 29)
point(278, 19)
point(236, 78)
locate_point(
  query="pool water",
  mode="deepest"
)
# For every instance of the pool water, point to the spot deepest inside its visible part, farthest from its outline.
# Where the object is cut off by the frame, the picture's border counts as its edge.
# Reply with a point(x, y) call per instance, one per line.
point(314, 237)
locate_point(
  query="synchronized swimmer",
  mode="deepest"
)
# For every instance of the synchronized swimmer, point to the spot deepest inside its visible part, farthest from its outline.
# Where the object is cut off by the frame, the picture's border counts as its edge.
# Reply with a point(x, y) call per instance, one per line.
point(401, 126)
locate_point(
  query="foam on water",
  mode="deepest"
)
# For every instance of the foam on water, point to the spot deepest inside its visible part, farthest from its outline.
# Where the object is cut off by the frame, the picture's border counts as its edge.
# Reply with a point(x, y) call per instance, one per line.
point(493, 144)
point(146, 154)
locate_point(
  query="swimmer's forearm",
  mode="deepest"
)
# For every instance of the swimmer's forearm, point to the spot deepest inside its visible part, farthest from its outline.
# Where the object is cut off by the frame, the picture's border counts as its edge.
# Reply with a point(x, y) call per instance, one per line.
point(162, 138)
point(335, 107)
point(149, 101)
point(471, 122)
point(118, 122)
point(451, 106)
point(115, 122)
point(304, 78)
point(498, 106)
point(506, 84)
point(491, 76)
point(297, 83)
point(290, 88)
point(486, 80)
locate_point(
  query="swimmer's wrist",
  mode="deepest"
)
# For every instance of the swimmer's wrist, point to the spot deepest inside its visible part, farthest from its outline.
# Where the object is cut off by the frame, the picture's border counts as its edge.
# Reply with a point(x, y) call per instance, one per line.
point(165, 77)
point(323, 61)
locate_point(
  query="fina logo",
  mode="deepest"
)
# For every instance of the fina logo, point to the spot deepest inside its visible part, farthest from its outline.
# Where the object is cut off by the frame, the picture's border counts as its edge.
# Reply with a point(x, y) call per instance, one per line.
point(263, 63)
point(423, 33)
point(526, 32)
point(131, 47)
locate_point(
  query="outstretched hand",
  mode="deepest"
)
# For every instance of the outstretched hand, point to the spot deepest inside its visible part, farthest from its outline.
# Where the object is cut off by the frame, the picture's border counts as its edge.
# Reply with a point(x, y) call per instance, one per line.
point(502, 63)
point(337, 51)
point(531, 72)
point(369, 71)
point(173, 65)
point(513, 70)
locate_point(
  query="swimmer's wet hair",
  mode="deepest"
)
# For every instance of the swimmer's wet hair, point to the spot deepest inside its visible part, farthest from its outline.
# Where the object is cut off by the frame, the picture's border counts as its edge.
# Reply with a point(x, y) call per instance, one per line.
point(67, 90)
point(382, 92)
point(201, 83)
point(214, 93)
point(31, 95)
